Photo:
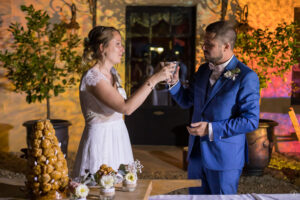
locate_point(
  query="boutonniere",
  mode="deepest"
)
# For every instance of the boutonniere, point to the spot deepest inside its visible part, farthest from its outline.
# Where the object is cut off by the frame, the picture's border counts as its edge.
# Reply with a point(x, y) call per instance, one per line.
point(232, 74)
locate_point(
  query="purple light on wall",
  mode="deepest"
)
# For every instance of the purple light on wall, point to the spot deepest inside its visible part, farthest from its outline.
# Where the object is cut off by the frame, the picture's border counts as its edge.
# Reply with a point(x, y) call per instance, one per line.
point(284, 128)
point(278, 87)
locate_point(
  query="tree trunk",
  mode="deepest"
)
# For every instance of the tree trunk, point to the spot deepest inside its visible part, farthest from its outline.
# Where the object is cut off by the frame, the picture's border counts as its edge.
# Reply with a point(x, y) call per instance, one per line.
point(48, 108)
point(224, 9)
point(94, 12)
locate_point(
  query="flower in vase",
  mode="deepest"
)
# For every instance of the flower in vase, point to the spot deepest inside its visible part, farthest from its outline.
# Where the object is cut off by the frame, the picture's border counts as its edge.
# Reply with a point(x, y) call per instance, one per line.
point(81, 191)
point(107, 181)
point(135, 167)
point(131, 177)
point(78, 190)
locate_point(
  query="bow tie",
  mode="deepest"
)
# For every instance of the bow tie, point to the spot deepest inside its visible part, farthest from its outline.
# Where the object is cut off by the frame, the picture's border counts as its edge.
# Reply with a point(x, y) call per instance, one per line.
point(215, 68)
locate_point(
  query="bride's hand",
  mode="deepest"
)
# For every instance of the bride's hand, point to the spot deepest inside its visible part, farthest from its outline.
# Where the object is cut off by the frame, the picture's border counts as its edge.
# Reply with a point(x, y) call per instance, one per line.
point(166, 72)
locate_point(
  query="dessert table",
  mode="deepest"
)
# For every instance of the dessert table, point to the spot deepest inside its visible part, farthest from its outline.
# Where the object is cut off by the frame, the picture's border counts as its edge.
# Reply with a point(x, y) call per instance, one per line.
point(14, 189)
point(147, 189)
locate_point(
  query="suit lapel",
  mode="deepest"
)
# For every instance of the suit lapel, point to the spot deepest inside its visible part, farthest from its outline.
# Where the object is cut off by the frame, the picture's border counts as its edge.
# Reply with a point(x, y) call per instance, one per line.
point(220, 82)
point(217, 86)
point(203, 83)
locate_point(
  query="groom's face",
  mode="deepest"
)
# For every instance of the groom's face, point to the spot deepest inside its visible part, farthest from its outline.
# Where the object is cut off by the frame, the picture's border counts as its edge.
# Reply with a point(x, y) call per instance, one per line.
point(213, 48)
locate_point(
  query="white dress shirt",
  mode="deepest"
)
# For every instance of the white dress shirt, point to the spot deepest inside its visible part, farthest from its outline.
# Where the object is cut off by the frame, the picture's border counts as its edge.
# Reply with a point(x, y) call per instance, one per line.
point(215, 75)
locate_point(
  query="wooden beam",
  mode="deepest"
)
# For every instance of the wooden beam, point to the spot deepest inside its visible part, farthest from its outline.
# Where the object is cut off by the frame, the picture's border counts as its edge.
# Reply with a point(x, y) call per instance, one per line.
point(295, 122)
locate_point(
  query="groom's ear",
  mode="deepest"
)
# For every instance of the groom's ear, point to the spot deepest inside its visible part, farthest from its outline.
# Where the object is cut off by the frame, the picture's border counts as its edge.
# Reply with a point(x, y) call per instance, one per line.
point(227, 46)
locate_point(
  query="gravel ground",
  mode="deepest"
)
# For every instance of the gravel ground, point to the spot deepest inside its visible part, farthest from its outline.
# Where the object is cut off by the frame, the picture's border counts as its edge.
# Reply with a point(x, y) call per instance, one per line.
point(282, 175)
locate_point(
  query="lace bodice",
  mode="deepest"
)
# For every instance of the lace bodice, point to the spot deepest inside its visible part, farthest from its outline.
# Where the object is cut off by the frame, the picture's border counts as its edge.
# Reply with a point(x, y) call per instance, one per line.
point(94, 111)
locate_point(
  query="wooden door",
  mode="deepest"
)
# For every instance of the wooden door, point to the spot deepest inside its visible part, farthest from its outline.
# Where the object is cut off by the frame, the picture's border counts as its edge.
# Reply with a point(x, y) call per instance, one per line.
point(154, 34)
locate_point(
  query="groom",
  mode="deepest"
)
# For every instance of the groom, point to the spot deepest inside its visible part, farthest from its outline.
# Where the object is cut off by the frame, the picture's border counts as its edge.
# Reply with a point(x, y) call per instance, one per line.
point(225, 100)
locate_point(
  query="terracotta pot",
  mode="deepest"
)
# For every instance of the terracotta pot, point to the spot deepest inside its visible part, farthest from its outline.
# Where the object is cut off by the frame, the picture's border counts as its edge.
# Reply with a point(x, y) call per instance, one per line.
point(260, 145)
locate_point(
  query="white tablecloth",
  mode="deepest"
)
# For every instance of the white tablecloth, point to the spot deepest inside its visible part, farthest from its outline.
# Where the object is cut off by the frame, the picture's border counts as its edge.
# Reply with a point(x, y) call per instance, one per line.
point(292, 196)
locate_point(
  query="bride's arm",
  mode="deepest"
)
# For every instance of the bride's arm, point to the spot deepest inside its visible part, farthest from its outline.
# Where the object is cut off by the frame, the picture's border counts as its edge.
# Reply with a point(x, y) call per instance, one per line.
point(108, 95)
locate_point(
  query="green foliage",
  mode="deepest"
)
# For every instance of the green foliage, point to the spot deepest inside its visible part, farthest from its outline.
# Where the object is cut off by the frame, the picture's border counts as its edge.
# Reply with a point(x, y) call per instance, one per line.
point(269, 53)
point(43, 60)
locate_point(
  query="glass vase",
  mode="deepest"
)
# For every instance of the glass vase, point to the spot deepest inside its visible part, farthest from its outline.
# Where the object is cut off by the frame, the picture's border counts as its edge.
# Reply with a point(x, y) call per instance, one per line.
point(107, 193)
point(129, 186)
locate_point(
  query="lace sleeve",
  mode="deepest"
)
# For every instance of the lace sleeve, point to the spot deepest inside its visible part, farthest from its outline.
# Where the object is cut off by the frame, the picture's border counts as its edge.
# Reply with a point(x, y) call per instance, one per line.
point(92, 77)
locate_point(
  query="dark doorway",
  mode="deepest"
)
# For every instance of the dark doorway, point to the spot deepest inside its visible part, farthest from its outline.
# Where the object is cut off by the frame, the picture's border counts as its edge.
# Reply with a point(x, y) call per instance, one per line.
point(152, 34)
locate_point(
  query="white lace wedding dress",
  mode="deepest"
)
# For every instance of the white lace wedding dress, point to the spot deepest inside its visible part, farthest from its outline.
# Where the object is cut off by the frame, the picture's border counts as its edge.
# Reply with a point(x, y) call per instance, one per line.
point(105, 138)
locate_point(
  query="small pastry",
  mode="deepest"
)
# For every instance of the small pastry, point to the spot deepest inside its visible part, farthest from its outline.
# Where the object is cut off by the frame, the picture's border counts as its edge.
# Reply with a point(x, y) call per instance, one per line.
point(58, 165)
point(52, 159)
point(64, 172)
point(48, 125)
point(37, 152)
point(37, 170)
point(55, 185)
point(46, 178)
point(46, 187)
point(55, 141)
point(47, 134)
point(104, 166)
point(36, 143)
point(46, 143)
point(48, 152)
point(40, 125)
point(55, 175)
point(38, 134)
point(50, 169)
point(60, 156)
point(42, 159)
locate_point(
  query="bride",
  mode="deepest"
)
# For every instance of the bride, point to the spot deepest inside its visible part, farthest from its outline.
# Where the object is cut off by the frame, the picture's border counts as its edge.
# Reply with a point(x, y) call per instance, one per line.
point(103, 101)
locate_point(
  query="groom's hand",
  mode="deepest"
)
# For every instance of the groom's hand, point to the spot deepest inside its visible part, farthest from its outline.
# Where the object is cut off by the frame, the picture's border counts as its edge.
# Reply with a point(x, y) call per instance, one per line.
point(175, 77)
point(198, 129)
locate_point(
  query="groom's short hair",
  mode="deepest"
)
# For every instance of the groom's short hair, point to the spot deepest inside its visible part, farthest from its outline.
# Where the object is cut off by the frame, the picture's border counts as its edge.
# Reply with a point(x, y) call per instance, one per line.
point(224, 30)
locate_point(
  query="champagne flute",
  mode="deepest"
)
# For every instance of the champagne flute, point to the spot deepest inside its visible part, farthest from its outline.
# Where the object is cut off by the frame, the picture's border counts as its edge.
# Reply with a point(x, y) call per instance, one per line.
point(175, 64)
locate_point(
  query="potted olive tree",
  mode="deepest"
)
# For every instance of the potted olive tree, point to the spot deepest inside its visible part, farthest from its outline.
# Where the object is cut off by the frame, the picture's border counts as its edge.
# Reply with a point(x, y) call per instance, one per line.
point(269, 54)
point(42, 62)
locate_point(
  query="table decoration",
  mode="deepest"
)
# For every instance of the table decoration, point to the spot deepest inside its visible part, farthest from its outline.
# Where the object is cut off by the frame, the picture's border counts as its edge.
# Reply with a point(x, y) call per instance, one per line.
point(129, 173)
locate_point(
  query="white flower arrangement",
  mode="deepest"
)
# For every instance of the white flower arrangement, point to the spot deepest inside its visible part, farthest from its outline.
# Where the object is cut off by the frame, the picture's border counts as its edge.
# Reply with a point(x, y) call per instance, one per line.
point(129, 172)
point(131, 177)
point(107, 181)
point(81, 191)
point(78, 190)
point(232, 74)
point(106, 177)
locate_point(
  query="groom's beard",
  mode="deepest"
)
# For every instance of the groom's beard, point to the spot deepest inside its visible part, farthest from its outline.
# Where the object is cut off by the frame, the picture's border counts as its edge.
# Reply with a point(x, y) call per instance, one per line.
point(213, 59)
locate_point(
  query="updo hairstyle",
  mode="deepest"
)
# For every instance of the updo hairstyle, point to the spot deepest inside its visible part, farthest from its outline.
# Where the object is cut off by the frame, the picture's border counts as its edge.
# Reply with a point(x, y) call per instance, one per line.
point(97, 36)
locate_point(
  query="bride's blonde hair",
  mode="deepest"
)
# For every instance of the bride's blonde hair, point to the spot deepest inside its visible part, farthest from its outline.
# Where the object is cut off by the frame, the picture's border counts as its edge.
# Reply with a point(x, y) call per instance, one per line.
point(97, 36)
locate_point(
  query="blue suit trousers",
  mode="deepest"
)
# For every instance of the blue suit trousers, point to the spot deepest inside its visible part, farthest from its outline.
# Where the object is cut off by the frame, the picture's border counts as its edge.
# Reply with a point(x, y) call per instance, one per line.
point(213, 182)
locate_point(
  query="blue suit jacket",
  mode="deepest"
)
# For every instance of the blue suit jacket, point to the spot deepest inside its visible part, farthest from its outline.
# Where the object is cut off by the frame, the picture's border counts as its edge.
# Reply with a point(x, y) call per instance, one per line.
point(232, 106)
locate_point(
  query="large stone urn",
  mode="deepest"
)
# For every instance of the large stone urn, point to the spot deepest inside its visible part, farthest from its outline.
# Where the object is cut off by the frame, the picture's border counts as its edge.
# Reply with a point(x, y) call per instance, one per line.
point(260, 145)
